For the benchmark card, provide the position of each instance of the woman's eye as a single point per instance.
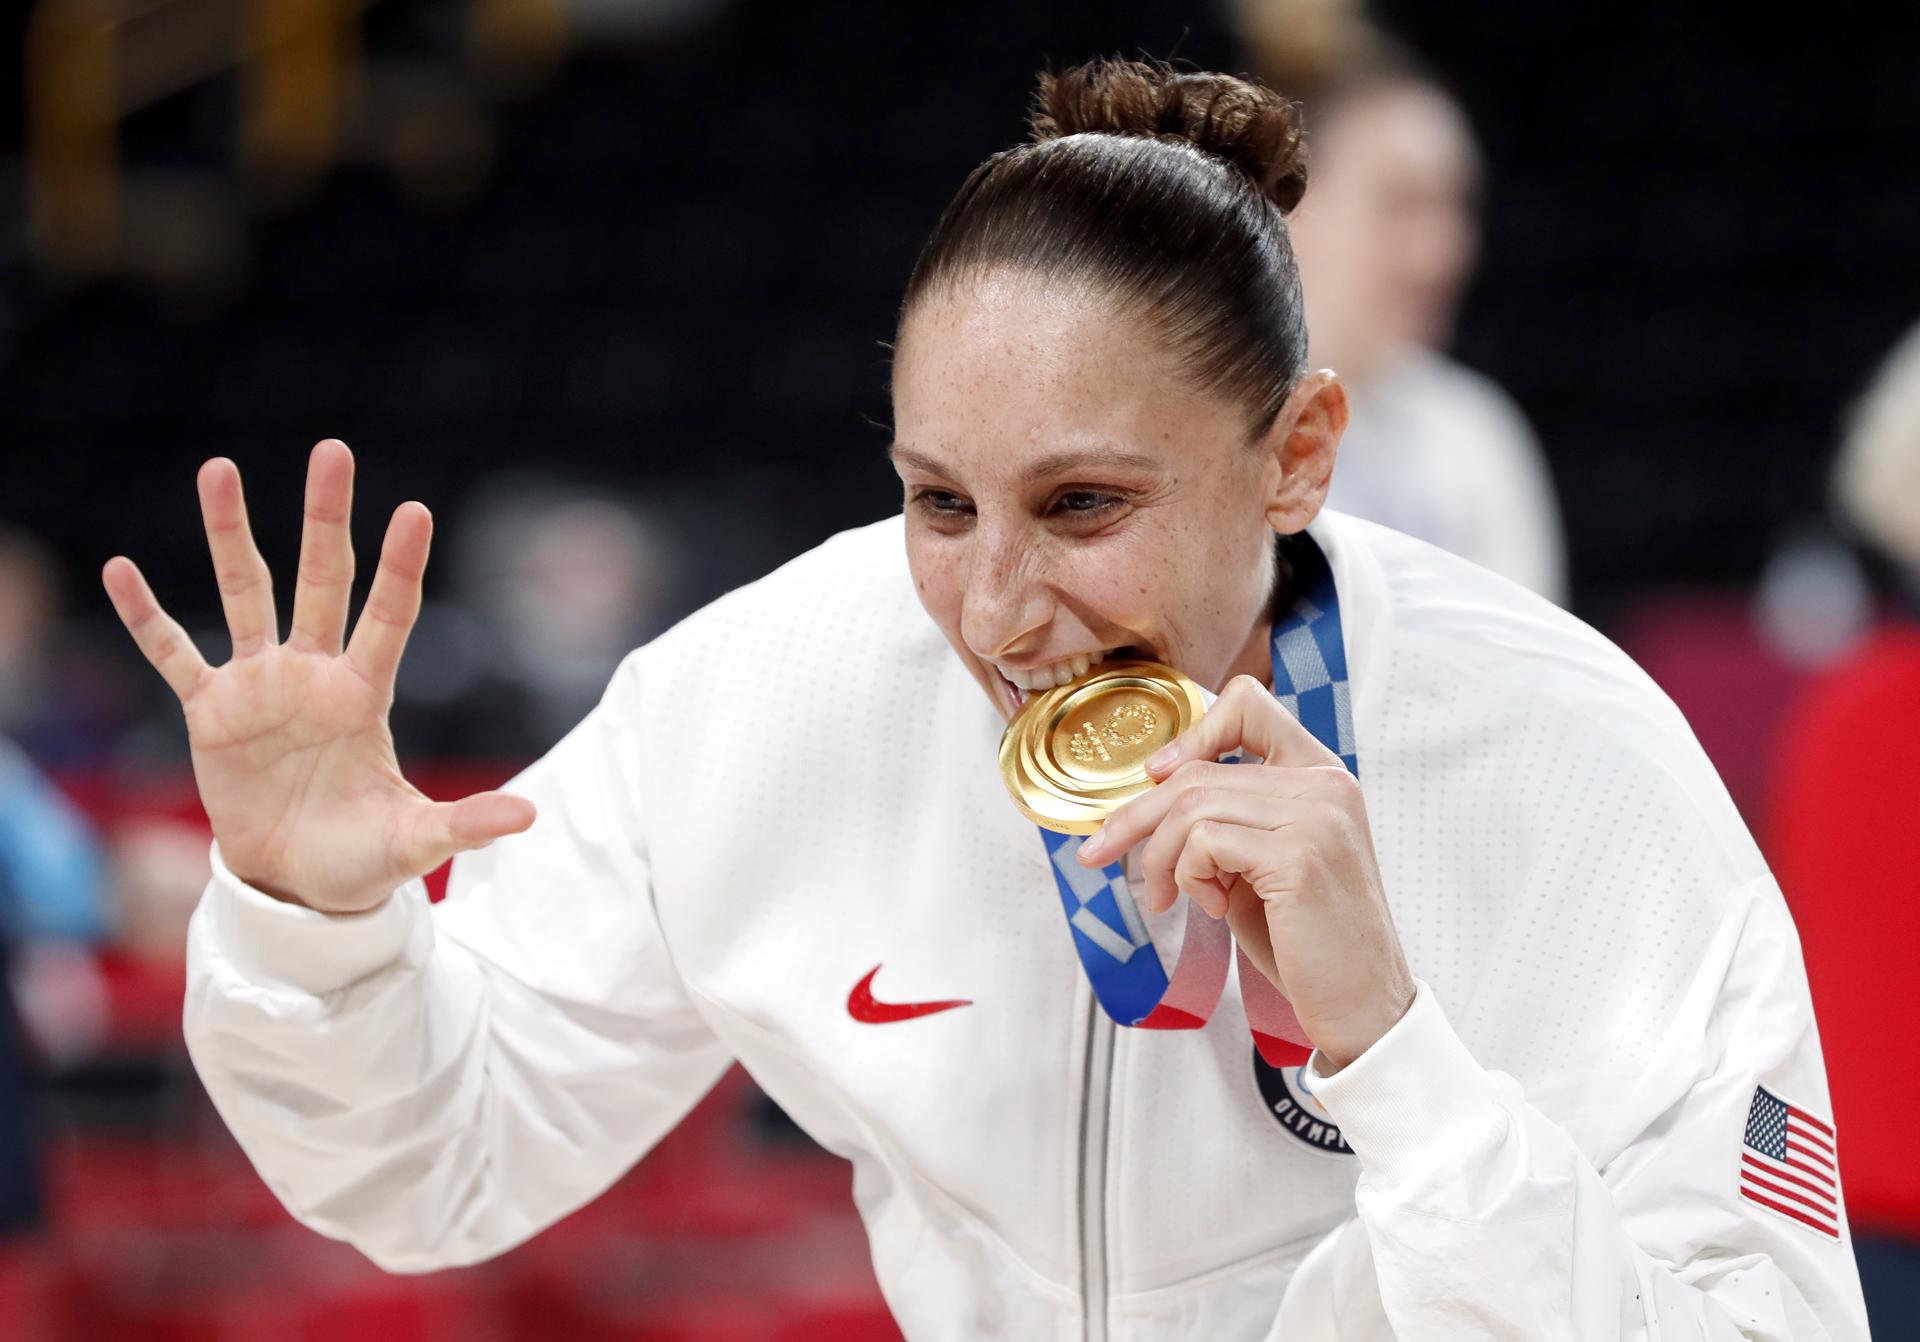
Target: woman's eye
(1086, 502)
(943, 502)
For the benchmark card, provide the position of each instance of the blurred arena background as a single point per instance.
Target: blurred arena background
(606, 283)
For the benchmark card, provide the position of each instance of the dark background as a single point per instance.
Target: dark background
(681, 267)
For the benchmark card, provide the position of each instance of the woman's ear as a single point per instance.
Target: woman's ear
(1304, 440)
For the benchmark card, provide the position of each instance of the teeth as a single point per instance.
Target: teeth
(1058, 673)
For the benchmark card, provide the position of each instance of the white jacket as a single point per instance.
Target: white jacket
(798, 783)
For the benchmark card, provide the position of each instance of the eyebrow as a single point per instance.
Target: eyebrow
(1054, 463)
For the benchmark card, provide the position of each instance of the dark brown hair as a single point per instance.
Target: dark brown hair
(1164, 189)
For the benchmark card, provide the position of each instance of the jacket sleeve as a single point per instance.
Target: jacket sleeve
(1480, 1217)
(435, 1084)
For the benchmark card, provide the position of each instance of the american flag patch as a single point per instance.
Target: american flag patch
(1787, 1163)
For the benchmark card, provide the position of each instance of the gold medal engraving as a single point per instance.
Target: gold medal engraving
(1074, 753)
(1127, 725)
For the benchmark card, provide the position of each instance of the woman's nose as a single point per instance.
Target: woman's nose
(1005, 603)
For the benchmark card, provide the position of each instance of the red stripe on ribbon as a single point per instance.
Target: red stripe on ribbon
(1278, 1052)
(1164, 1017)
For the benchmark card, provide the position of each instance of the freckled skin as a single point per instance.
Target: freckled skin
(1159, 535)
(1028, 563)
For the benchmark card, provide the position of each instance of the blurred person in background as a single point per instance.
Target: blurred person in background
(52, 874)
(1387, 241)
(158, 867)
(551, 582)
(566, 581)
(29, 622)
(1845, 842)
(60, 702)
(51, 884)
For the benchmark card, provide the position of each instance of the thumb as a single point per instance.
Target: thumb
(476, 821)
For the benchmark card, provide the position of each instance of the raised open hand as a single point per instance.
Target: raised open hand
(290, 743)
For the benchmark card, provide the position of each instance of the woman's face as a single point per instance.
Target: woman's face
(1387, 234)
(1069, 494)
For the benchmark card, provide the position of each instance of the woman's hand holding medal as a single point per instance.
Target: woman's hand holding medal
(1282, 850)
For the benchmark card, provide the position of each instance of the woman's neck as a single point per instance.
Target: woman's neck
(1255, 657)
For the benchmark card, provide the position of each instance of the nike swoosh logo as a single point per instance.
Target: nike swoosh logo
(865, 1008)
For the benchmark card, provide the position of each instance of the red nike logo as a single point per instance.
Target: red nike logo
(863, 1007)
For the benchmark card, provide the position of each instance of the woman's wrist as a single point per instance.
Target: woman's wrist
(1356, 1034)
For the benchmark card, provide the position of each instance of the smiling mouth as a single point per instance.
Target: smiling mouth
(1016, 695)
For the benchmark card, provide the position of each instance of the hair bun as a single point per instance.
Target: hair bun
(1243, 122)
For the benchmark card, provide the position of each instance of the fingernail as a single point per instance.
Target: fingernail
(1089, 850)
(1164, 756)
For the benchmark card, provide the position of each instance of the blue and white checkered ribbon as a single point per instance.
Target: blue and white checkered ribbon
(1310, 680)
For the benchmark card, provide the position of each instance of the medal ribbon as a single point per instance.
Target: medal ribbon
(1124, 969)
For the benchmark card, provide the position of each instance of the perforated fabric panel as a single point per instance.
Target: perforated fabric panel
(823, 798)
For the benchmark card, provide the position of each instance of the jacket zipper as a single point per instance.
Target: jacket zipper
(1095, 1102)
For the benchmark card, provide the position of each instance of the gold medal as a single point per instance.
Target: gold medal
(1074, 753)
